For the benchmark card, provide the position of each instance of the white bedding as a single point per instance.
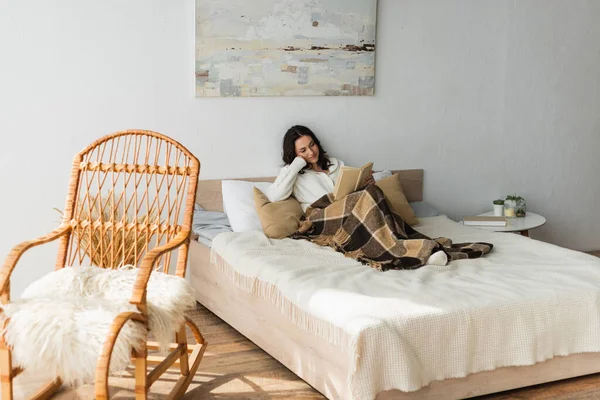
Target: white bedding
(525, 302)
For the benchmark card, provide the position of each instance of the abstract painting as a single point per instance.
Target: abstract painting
(285, 48)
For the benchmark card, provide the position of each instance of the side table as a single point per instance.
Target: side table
(521, 225)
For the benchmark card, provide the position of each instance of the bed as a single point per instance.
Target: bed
(552, 333)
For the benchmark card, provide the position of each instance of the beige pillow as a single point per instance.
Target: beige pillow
(394, 195)
(280, 219)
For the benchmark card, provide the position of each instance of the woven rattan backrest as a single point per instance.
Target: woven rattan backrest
(130, 192)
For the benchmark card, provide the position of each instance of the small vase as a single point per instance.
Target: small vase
(498, 210)
(510, 207)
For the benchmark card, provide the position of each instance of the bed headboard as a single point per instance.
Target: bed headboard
(210, 198)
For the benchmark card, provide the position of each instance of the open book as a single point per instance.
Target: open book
(351, 179)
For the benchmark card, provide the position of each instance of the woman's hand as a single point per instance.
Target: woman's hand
(298, 158)
(370, 180)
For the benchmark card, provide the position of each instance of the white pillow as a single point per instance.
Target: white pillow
(238, 204)
(381, 174)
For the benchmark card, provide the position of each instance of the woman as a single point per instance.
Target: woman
(309, 173)
(361, 225)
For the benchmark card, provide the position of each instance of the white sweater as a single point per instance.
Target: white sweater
(307, 187)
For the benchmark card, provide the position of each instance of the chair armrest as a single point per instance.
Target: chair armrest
(15, 254)
(147, 264)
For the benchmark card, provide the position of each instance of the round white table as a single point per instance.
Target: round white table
(521, 225)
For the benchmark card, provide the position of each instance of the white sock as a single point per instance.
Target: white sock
(438, 258)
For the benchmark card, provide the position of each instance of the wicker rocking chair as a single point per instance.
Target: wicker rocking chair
(130, 202)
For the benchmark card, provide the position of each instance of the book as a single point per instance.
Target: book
(350, 179)
(484, 221)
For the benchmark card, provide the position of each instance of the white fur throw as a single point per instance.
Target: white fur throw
(63, 319)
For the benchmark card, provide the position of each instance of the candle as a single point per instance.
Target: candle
(509, 212)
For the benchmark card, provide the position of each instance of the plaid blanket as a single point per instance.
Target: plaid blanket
(363, 227)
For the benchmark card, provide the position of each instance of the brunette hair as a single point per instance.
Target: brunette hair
(289, 146)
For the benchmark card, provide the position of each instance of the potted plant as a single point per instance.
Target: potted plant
(498, 207)
(517, 204)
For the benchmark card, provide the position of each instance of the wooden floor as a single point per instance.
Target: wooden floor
(232, 368)
(235, 368)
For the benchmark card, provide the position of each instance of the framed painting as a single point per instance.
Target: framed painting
(285, 48)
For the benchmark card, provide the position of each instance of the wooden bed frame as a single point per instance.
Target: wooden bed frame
(320, 363)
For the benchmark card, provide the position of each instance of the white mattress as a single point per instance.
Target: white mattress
(525, 302)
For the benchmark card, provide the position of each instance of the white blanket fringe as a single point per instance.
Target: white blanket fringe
(291, 311)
